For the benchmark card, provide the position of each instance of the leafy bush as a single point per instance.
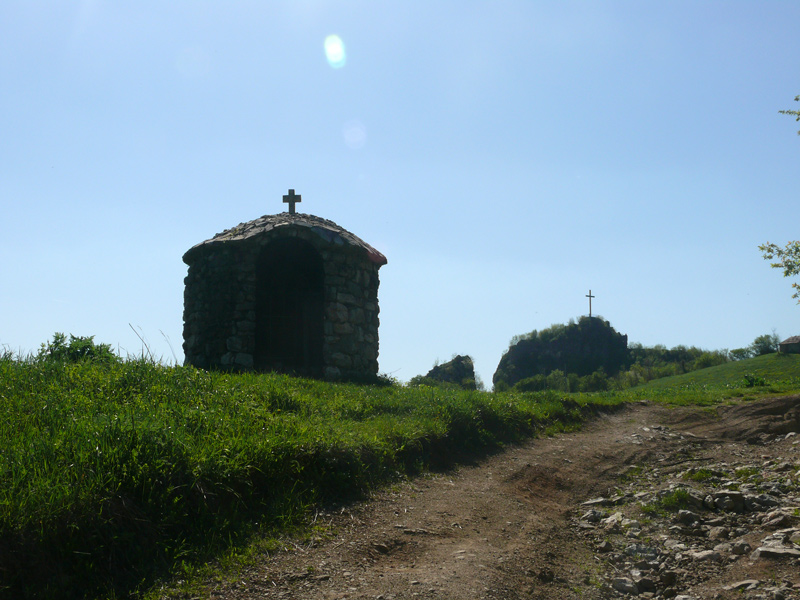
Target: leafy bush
(596, 382)
(674, 500)
(701, 474)
(76, 350)
(537, 383)
(751, 380)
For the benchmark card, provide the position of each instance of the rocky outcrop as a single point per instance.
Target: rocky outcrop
(581, 348)
(459, 371)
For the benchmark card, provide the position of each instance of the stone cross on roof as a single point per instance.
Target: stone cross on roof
(291, 199)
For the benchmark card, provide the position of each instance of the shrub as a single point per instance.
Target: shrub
(741, 354)
(78, 349)
(751, 380)
(701, 474)
(537, 383)
(596, 382)
(675, 500)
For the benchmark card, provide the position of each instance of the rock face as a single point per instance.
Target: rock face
(287, 292)
(581, 348)
(459, 371)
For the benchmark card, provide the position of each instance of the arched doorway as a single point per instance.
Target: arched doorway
(289, 308)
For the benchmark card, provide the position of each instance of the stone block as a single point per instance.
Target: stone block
(337, 313)
(342, 360)
(706, 556)
(342, 328)
(775, 552)
(245, 326)
(332, 372)
(345, 298)
(729, 501)
(244, 360)
(625, 585)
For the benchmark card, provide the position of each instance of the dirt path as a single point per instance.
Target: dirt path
(510, 527)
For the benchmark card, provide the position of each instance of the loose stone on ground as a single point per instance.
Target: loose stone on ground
(686, 532)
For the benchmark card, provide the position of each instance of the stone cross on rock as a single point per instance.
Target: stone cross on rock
(589, 296)
(291, 199)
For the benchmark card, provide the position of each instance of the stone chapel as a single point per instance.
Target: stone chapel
(289, 292)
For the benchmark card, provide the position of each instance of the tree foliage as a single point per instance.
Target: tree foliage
(741, 353)
(765, 344)
(786, 258)
(653, 362)
(794, 113)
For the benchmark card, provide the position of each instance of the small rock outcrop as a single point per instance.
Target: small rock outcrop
(460, 371)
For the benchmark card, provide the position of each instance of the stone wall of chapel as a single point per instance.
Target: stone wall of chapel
(220, 306)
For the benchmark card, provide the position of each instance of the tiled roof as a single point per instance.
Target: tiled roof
(328, 230)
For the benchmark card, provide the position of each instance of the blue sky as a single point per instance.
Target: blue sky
(505, 156)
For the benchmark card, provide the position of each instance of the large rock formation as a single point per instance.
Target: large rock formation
(581, 348)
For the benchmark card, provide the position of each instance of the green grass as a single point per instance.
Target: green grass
(781, 371)
(722, 383)
(115, 476)
(670, 502)
(701, 474)
(747, 472)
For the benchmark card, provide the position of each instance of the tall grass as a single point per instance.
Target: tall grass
(112, 474)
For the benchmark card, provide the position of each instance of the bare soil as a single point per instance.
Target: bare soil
(515, 526)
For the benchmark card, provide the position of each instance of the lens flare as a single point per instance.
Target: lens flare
(355, 134)
(334, 51)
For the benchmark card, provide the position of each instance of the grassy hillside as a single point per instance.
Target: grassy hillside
(776, 369)
(115, 474)
(112, 475)
(769, 374)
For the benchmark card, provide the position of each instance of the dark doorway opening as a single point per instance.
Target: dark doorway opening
(289, 310)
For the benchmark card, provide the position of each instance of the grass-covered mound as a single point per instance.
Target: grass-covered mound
(770, 374)
(114, 472)
(775, 369)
